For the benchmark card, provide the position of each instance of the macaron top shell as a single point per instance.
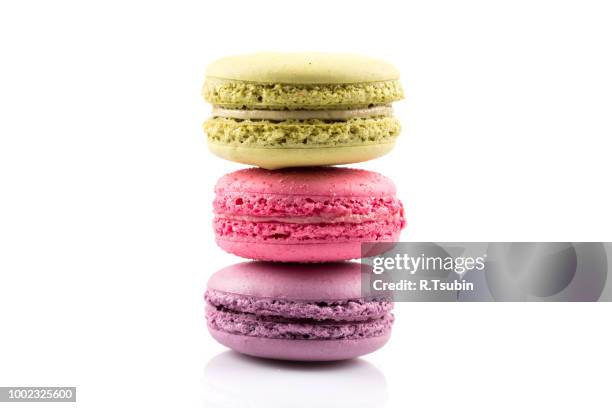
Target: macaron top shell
(302, 68)
(333, 281)
(315, 181)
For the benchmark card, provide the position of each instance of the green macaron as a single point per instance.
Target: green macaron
(277, 110)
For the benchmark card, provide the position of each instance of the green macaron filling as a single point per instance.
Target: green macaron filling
(251, 95)
(310, 133)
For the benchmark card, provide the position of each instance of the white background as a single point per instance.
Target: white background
(106, 188)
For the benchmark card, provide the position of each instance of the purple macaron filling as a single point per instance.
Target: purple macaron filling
(349, 309)
(299, 320)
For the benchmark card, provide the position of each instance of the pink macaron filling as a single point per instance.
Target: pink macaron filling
(294, 233)
(320, 208)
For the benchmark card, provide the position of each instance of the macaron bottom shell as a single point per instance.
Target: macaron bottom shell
(307, 253)
(272, 158)
(300, 350)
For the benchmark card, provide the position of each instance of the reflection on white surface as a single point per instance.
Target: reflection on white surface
(234, 380)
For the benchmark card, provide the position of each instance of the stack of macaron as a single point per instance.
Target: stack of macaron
(295, 116)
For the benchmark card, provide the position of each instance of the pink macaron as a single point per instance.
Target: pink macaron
(318, 214)
(301, 312)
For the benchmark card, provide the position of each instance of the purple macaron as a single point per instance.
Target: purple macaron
(296, 312)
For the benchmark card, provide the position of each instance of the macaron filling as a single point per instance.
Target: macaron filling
(318, 208)
(348, 219)
(250, 217)
(343, 309)
(280, 115)
(291, 233)
(358, 319)
(248, 325)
